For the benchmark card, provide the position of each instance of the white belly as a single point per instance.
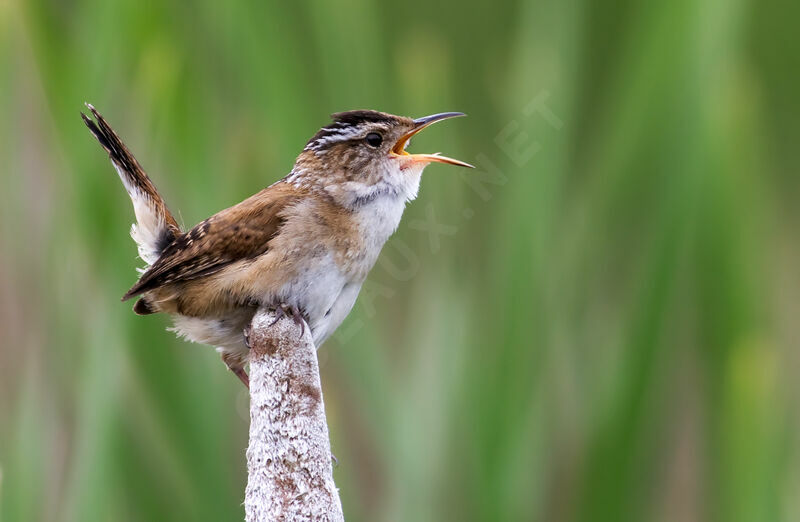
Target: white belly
(331, 320)
(324, 293)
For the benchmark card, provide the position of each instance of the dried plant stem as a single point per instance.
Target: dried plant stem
(290, 474)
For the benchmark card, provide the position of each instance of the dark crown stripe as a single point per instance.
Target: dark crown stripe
(361, 116)
(343, 123)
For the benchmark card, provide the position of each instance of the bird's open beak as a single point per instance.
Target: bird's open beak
(419, 124)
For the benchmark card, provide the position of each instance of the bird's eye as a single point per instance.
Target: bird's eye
(374, 139)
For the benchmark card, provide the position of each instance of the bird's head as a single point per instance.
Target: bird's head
(362, 155)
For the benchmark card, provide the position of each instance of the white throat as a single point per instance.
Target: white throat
(379, 206)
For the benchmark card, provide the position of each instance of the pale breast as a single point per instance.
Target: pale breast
(317, 263)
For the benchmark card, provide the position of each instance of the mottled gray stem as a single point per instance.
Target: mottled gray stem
(290, 475)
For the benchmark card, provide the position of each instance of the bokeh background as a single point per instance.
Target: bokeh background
(600, 323)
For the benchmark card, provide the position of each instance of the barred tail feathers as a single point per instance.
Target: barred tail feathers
(155, 226)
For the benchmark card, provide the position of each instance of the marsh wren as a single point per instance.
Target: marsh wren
(303, 245)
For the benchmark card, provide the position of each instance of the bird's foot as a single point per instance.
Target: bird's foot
(247, 330)
(285, 310)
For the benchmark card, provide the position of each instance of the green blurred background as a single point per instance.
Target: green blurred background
(599, 324)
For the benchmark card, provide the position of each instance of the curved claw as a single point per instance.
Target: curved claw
(285, 310)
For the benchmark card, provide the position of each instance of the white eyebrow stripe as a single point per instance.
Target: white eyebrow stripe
(335, 135)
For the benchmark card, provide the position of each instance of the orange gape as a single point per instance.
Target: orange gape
(303, 245)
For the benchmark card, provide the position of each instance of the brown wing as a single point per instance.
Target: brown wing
(239, 232)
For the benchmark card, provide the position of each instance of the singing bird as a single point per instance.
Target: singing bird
(302, 246)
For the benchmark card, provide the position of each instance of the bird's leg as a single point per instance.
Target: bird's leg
(237, 368)
(242, 375)
(297, 317)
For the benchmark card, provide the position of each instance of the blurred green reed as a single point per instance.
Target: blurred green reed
(598, 325)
